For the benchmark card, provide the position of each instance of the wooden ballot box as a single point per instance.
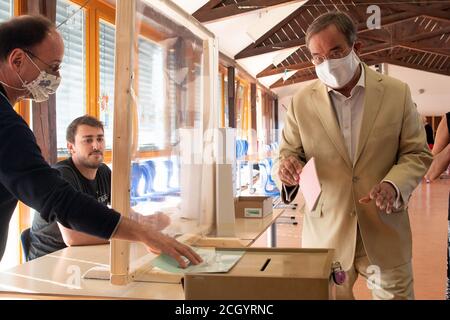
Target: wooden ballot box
(268, 274)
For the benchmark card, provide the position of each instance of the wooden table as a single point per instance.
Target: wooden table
(59, 275)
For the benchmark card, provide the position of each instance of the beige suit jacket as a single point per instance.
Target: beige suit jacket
(392, 146)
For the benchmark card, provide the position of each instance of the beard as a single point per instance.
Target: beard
(92, 163)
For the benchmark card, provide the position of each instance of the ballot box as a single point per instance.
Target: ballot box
(268, 274)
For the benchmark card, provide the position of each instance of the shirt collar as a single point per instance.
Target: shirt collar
(361, 82)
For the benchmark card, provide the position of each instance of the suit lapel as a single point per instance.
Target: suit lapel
(327, 116)
(372, 102)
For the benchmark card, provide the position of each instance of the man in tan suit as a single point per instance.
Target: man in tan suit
(370, 151)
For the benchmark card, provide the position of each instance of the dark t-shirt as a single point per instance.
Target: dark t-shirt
(26, 176)
(45, 236)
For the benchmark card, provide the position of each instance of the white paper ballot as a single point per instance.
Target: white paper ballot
(214, 261)
(310, 184)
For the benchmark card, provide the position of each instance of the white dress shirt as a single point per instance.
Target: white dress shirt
(349, 113)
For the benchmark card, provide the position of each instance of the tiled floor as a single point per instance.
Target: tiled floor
(428, 215)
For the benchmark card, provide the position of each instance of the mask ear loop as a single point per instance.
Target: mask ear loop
(15, 88)
(24, 83)
(21, 80)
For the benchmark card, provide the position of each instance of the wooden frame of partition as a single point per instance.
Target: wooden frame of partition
(122, 134)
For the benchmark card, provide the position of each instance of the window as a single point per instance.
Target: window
(107, 54)
(151, 96)
(172, 97)
(71, 96)
(6, 8)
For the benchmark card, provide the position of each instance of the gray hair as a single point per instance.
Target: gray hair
(342, 22)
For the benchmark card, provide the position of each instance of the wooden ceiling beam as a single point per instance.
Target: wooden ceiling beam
(211, 4)
(281, 83)
(376, 36)
(298, 66)
(445, 72)
(438, 12)
(210, 13)
(254, 50)
(421, 48)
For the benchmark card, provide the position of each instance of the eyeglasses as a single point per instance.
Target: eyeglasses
(336, 54)
(54, 68)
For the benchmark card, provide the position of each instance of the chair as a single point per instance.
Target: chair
(136, 175)
(25, 239)
(138, 172)
(245, 143)
(268, 185)
(239, 149)
(175, 191)
(149, 172)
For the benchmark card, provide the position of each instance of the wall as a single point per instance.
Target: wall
(435, 100)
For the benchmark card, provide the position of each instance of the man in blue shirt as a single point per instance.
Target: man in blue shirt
(30, 56)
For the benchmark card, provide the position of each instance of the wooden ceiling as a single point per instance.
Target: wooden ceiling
(413, 34)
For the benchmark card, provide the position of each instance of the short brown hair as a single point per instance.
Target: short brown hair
(342, 21)
(23, 32)
(84, 120)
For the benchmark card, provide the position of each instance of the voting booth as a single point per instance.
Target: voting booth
(173, 172)
(198, 192)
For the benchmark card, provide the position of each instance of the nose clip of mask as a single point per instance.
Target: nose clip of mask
(337, 274)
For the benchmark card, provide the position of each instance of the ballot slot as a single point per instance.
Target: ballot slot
(265, 265)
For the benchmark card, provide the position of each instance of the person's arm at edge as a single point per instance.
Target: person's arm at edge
(440, 163)
(442, 138)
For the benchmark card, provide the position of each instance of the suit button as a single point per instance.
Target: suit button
(354, 179)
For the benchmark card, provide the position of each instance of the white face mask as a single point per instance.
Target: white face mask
(41, 87)
(336, 73)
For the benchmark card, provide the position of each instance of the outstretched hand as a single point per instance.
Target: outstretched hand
(384, 195)
(158, 242)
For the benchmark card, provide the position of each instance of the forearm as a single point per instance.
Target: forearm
(129, 230)
(446, 154)
(440, 164)
(442, 137)
(76, 238)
